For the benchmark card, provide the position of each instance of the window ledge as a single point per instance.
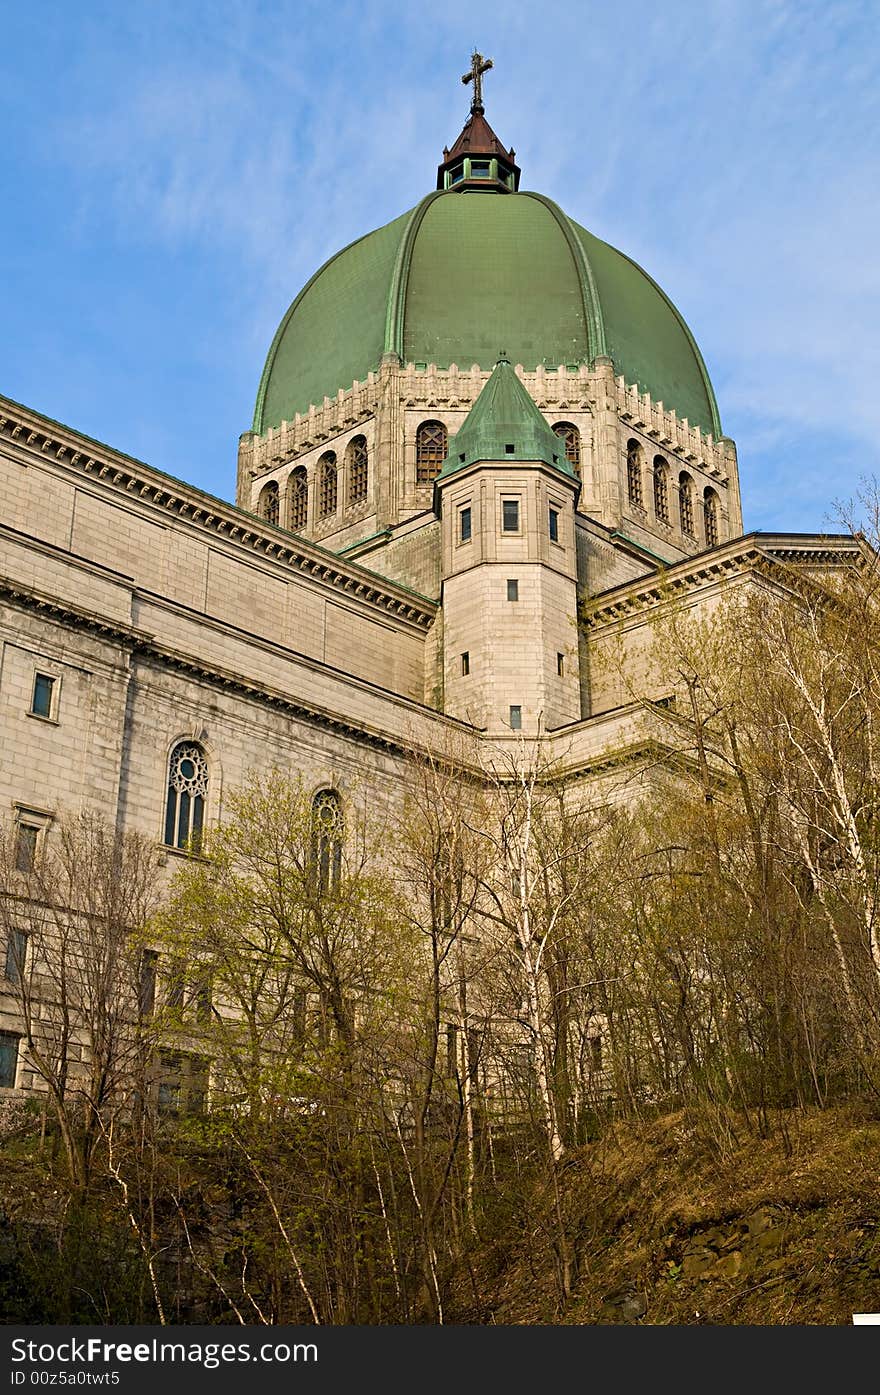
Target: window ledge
(38, 717)
(181, 852)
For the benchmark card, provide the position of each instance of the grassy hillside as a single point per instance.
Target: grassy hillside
(677, 1223)
(672, 1221)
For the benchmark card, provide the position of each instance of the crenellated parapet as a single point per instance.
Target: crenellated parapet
(672, 432)
(308, 429)
(576, 387)
(603, 408)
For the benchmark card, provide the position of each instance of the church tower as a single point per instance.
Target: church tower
(506, 497)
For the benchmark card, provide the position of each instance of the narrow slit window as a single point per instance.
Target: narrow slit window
(554, 525)
(516, 718)
(686, 504)
(149, 967)
(175, 988)
(8, 1060)
(661, 490)
(41, 701)
(202, 998)
(358, 470)
(465, 663)
(327, 484)
(26, 836)
(510, 515)
(512, 589)
(560, 665)
(16, 953)
(298, 499)
(634, 474)
(710, 517)
(464, 525)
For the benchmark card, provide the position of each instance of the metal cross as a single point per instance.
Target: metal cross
(479, 66)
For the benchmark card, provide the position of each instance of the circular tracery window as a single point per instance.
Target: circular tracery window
(326, 811)
(189, 770)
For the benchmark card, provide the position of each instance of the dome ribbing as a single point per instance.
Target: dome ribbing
(459, 274)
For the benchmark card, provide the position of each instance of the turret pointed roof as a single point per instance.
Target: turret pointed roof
(477, 138)
(478, 161)
(504, 424)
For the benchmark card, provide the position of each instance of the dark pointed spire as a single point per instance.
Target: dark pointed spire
(478, 161)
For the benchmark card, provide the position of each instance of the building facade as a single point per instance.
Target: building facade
(470, 423)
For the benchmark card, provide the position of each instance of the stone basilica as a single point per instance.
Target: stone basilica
(470, 422)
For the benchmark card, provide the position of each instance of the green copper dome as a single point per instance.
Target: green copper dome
(462, 273)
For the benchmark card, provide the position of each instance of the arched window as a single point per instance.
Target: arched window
(686, 503)
(327, 484)
(357, 470)
(187, 792)
(298, 499)
(572, 438)
(634, 474)
(710, 517)
(661, 490)
(327, 833)
(268, 503)
(432, 444)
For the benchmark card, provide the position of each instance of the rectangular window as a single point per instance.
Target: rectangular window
(512, 589)
(464, 525)
(516, 719)
(451, 1051)
(203, 999)
(480, 169)
(510, 515)
(41, 702)
(8, 1060)
(169, 1097)
(26, 847)
(560, 665)
(554, 525)
(147, 982)
(176, 984)
(16, 952)
(197, 1085)
(465, 663)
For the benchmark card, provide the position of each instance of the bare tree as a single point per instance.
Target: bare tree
(76, 919)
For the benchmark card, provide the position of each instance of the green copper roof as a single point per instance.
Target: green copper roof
(462, 273)
(505, 424)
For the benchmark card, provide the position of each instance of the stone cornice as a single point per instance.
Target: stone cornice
(54, 609)
(144, 644)
(771, 553)
(137, 481)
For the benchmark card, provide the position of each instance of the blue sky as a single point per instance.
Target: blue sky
(174, 172)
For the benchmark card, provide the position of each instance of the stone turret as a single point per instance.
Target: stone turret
(506, 498)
